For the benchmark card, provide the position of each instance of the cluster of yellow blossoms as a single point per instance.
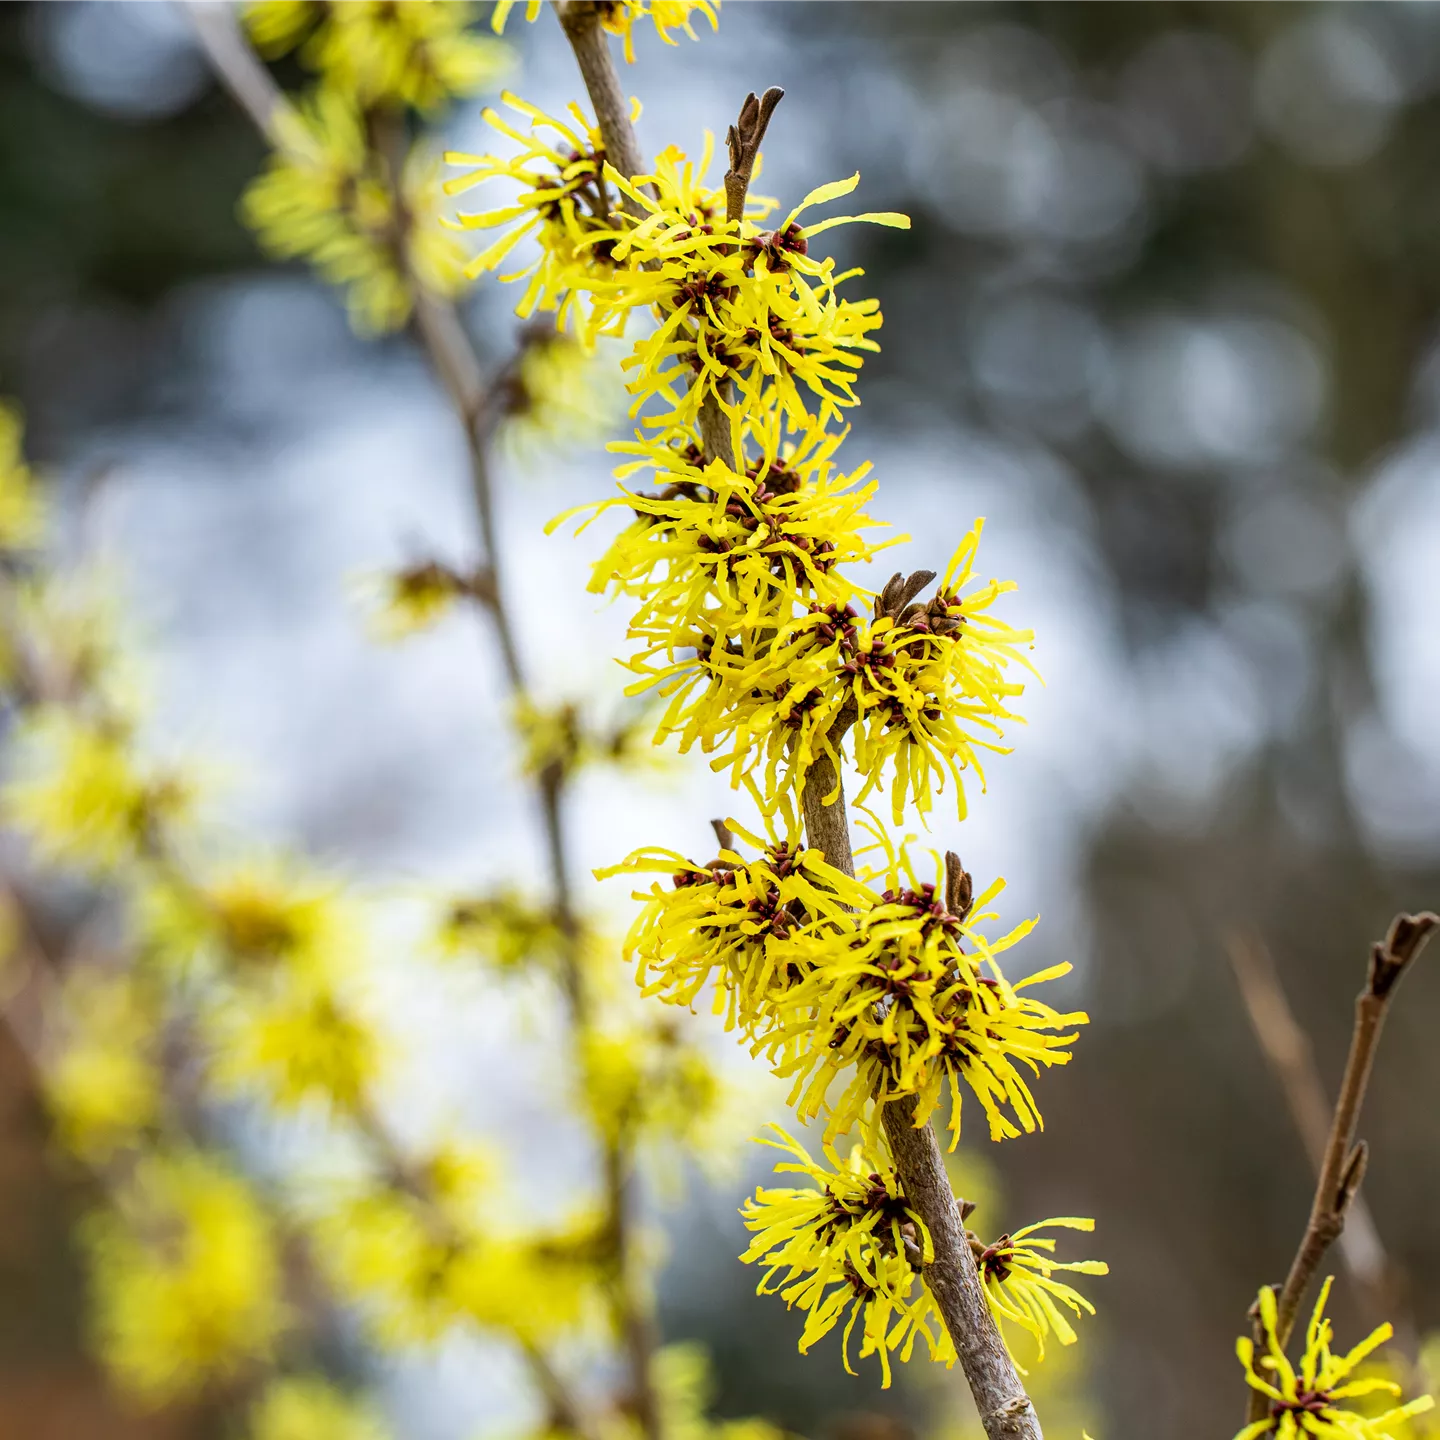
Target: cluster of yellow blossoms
(766, 653)
(247, 981)
(344, 188)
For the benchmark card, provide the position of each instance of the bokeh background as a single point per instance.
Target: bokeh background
(1166, 317)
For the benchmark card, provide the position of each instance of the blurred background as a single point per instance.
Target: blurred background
(1166, 317)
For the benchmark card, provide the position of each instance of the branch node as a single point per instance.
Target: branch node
(1351, 1176)
(723, 834)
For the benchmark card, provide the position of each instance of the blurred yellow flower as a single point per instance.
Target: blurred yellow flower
(81, 795)
(421, 53)
(104, 1089)
(259, 914)
(293, 1039)
(22, 514)
(186, 1278)
(326, 197)
(311, 1408)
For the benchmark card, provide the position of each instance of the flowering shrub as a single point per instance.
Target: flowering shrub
(876, 982)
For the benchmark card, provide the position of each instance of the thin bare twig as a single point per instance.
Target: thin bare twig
(237, 66)
(1343, 1165)
(743, 140)
(1287, 1048)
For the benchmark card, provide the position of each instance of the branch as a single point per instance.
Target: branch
(1287, 1048)
(581, 22)
(953, 1277)
(453, 357)
(1343, 1163)
(238, 67)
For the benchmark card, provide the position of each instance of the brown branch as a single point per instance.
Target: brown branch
(1287, 1048)
(953, 1277)
(581, 22)
(1343, 1165)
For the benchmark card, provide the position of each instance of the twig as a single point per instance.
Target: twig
(581, 22)
(237, 66)
(1287, 1048)
(743, 142)
(1343, 1166)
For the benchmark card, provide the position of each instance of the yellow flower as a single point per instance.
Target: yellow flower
(1312, 1400)
(82, 797)
(619, 17)
(850, 1248)
(261, 914)
(22, 513)
(186, 1278)
(417, 1272)
(310, 1408)
(730, 303)
(104, 1089)
(420, 53)
(407, 601)
(914, 1004)
(1018, 1274)
(644, 1082)
(325, 197)
(735, 922)
(916, 693)
(502, 927)
(563, 201)
(559, 394)
(737, 554)
(292, 1038)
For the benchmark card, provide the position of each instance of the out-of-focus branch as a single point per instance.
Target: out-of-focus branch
(1343, 1164)
(458, 369)
(237, 66)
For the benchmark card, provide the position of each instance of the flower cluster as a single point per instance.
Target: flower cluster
(421, 54)
(742, 528)
(1317, 1397)
(850, 1247)
(328, 195)
(874, 994)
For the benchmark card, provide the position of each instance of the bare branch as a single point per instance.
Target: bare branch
(238, 67)
(1288, 1050)
(1343, 1163)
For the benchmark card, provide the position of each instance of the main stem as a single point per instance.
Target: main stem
(1005, 1409)
(954, 1280)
